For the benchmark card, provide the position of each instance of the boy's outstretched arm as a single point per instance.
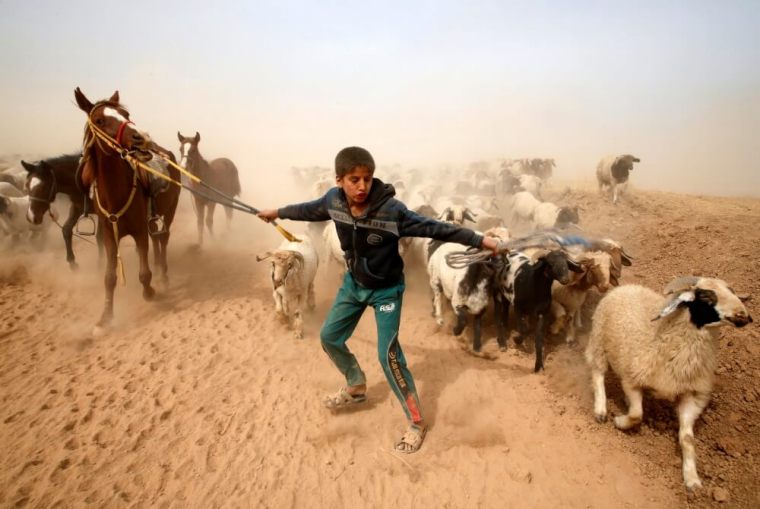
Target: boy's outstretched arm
(415, 225)
(315, 210)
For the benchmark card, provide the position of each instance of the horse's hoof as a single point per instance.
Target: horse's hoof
(74, 266)
(148, 293)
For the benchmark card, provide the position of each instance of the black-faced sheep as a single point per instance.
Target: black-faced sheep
(548, 215)
(667, 344)
(612, 172)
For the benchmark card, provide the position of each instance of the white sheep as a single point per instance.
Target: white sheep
(531, 184)
(612, 172)
(321, 186)
(567, 300)
(548, 215)
(417, 198)
(14, 222)
(667, 344)
(294, 266)
(8, 189)
(333, 251)
(481, 202)
(523, 207)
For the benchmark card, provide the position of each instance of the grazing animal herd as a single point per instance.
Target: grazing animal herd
(664, 343)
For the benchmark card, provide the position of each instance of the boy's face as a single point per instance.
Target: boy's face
(356, 184)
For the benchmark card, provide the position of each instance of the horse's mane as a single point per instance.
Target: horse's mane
(62, 159)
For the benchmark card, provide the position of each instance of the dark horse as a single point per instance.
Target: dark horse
(44, 181)
(220, 173)
(121, 191)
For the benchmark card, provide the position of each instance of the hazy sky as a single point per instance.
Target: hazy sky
(279, 84)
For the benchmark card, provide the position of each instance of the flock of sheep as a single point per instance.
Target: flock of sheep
(666, 343)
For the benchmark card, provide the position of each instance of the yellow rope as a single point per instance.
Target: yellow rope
(134, 161)
(114, 220)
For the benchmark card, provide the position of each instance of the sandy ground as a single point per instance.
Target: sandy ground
(203, 399)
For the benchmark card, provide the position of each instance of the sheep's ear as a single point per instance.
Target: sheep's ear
(636, 159)
(179, 137)
(260, 258)
(673, 304)
(28, 166)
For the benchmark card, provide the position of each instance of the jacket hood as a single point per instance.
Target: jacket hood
(379, 194)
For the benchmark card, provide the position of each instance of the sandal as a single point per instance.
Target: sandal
(342, 399)
(412, 439)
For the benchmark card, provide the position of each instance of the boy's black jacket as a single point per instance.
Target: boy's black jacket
(370, 242)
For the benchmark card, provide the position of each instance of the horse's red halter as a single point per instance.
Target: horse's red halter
(120, 131)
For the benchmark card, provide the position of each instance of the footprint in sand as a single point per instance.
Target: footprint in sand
(212, 458)
(57, 474)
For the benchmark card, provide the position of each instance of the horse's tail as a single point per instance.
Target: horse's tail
(232, 178)
(235, 181)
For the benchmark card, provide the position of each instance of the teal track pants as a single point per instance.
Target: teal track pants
(349, 305)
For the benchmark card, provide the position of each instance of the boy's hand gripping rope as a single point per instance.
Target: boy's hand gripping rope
(549, 238)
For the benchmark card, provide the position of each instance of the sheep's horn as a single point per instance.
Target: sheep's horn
(263, 257)
(626, 258)
(680, 284)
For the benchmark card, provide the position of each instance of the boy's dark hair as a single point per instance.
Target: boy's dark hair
(351, 157)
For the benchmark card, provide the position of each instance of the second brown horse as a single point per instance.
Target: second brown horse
(220, 174)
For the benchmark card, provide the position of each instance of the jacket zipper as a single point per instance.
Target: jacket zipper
(353, 243)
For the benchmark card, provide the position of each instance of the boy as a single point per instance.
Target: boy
(370, 222)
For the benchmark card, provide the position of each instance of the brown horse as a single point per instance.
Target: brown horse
(121, 191)
(220, 173)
